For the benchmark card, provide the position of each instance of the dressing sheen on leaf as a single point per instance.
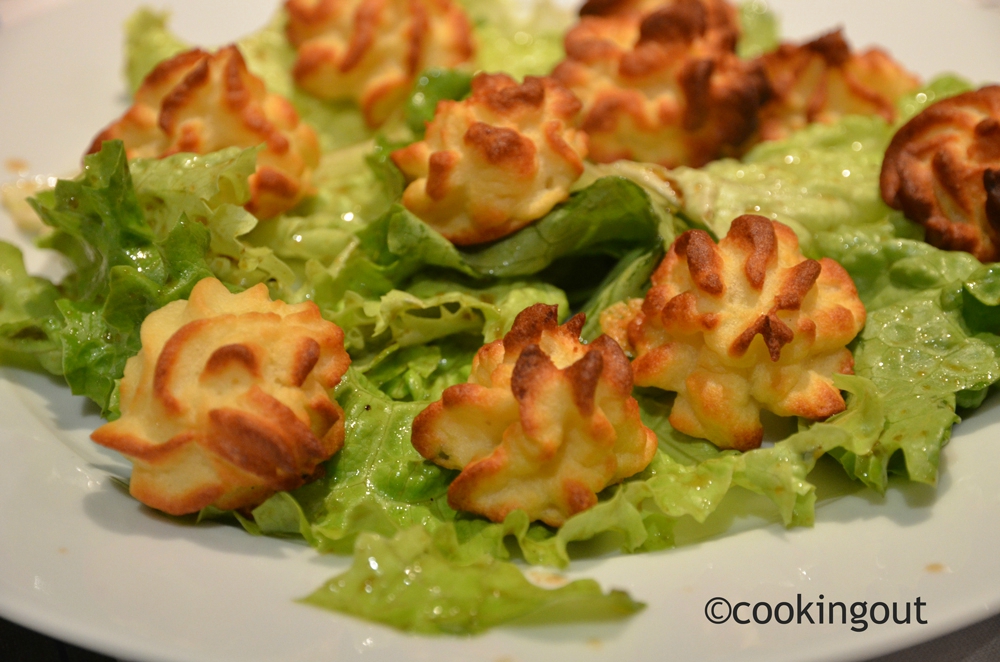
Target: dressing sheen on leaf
(609, 217)
(916, 347)
(412, 582)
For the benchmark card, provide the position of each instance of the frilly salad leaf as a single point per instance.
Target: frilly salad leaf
(520, 43)
(29, 317)
(376, 483)
(609, 217)
(918, 346)
(435, 309)
(629, 279)
(412, 582)
(121, 271)
(211, 189)
(981, 299)
(414, 344)
(818, 179)
(137, 236)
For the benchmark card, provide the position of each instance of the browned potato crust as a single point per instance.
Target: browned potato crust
(227, 402)
(493, 163)
(543, 424)
(741, 326)
(370, 51)
(663, 86)
(201, 102)
(942, 169)
(823, 80)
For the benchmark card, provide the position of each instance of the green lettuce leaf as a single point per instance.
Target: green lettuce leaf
(123, 267)
(376, 483)
(517, 42)
(609, 217)
(629, 279)
(981, 299)
(147, 43)
(415, 344)
(102, 330)
(818, 179)
(431, 87)
(917, 346)
(211, 189)
(760, 28)
(423, 372)
(413, 583)
(29, 316)
(381, 256)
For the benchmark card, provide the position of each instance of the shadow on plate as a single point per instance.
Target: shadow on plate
(68, 417)
(114, 510)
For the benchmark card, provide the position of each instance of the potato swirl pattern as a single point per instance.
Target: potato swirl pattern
(202, 102)
(497, 161)
(745, 325)
(543, 424)
(942, 169)
(227, 402)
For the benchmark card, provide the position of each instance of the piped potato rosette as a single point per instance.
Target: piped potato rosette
(495, 162)
(714, 22)
(543, 424)
(664, 85)
(202, 102)
(740, 326)
(942, 169)
(823, 80)
(370, 51)
(228, 400)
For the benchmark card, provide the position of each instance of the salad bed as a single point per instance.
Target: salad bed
(415, 309)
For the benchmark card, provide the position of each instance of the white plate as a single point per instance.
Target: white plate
(82, 561)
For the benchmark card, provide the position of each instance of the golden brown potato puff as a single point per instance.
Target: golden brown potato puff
(823, 80)
(740, 326)
(543, 424)
(663, 87)
(228, 400)
(370, 51)
(498, 160)
(202, 102)
(942, 169)
(717, 21)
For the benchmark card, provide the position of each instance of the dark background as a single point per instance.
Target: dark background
(18, 644)
(976, 643)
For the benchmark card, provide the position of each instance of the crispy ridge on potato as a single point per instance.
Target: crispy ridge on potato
(942, 169)
(370, 51)
(740, 326)
(228, 400)
(823, 80)
(202, 102)
(498, 160)
(543, 424)
(663, 85)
